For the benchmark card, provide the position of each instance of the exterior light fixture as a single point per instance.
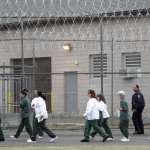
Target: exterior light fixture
(67, 47)
(76, 62)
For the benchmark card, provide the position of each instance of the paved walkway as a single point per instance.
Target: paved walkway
(72, 138)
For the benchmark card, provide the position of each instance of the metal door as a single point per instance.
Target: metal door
(71, 97)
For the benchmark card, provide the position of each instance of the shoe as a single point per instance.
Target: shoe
(105, 138)
(85, 140)
(91, 138)
(135, 133)
(13, 137)
(110, 139)
(30, 141)
(140, 133)
(123, 137)
(125, 140)
(2, 140)
(40, 137)
(53, 139)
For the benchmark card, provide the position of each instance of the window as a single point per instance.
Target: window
(131, 60)
(95, 61)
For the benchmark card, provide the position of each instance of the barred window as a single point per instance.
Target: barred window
(95, 61)
(132, 60)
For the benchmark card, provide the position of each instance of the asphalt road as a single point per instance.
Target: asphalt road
(72, 138)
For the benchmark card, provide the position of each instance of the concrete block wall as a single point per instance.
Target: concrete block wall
(124, 32)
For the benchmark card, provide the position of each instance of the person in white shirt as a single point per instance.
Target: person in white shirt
(41, 115)
(32, 119)
(104, 118)
(92, 117)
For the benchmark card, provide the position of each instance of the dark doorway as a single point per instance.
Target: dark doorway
(42, 76)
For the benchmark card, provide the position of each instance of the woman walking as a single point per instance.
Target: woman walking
(39, 130)
(41, 115)
(104, 118)
(124, 117)
(92, 118)
(2, 139)
(25, 116)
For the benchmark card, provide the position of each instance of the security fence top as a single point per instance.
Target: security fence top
(69, 8)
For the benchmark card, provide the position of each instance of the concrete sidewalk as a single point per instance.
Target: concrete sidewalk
(72, 138)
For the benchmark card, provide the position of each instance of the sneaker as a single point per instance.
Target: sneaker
(123, 137)
(85, 140)
(125, 140)
(105, 138)
(30, 141)
(40, 137)
(91, 138)
(13, 137)
(110, 139)
(53, 139)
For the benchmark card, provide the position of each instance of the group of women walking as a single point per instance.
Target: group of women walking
(96, 116)
(38, 106)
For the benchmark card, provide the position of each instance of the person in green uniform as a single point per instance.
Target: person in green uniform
(104, 116)
(25, 116)
(1, 133)
(124, 117)
(92, 118)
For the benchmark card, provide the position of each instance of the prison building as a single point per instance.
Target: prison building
(62, 45)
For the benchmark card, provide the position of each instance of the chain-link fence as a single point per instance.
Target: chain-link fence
(65, 47)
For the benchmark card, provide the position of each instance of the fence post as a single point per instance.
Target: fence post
(33, 65)
(112, 81)
(22, 52)
(101, 53)
(3, 96)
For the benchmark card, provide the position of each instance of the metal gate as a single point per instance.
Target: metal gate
(10, 88)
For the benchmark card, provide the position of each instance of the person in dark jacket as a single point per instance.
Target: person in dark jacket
(138, 104)
(25, 116)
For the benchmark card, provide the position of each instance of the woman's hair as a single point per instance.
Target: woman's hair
(137, 86)
(92, 93)
(23, 93)
(101, 98)
(40, 94)
(26, 90)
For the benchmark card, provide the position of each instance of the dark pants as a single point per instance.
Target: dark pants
(124, 125)
(93, 124)
(25, 122)
(1, 133)
(106, 128)
(43, 127)
(137, 121)
(39, 130)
